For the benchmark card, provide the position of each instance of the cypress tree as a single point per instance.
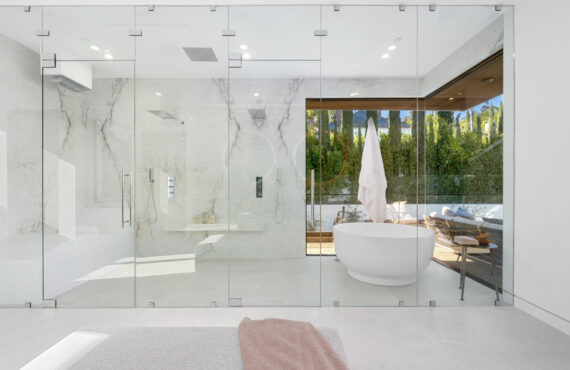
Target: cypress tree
(447, 116)
(479, 129)
(325, 129)
(457, 127)
(394, 129)
(500, 128)
(395, 138)
(347, 128)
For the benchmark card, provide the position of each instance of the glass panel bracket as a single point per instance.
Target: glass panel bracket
(234, 60)
(42, 33)
(48, 60)
(135, 33)
(321, 32)
(49, 303)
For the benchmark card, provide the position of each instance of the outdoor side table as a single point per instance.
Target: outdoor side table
(464, 249)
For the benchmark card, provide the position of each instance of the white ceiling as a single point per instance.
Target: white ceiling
(357, 37)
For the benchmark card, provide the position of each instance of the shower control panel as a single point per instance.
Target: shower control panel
(259, 187)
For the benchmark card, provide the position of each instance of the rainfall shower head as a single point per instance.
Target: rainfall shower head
(163, 114)
(257, 114)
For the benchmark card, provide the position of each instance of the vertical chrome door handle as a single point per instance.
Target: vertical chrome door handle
(313, 198)
(122, 199)
(130, 220)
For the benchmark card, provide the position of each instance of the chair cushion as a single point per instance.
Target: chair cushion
(446, 211)
(461, 212)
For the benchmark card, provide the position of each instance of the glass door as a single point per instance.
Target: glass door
(272, 73)
(181, 155)
(369, 74)
(88, 130)
(88, 127)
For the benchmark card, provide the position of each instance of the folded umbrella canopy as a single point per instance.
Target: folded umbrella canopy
(372, 181)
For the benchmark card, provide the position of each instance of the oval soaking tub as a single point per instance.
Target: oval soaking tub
(383, 253)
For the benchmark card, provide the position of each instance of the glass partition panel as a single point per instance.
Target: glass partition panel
(460, 65)
(182, 157)
(269, 264)
(88, 187)
(369, 75)
(88, 32)
(275, 32)
(20, 158)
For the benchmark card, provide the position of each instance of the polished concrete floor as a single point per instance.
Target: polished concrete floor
(374, 338)
(306, 281)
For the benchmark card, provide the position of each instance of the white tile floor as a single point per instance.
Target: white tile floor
(374, 338)
(309, 281)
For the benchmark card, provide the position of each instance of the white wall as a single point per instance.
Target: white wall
(542, 173)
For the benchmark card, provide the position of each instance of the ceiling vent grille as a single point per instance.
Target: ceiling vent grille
(201, 54)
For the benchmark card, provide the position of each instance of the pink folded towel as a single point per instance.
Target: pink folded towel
(284, 344)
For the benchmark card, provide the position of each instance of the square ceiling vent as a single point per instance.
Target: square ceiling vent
(201, 54)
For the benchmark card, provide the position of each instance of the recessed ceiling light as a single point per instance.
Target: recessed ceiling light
(451, 98)
(354, 94)
(108, 56)
(246, 56)
(392, 47)
(158, 93)
(95, 47)
(243, 47)
(488, 80)
(256, 94)
(459, 93)
(385, 56)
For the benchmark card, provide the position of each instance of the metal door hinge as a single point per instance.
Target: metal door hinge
(234, 60)
(336, 8)
(402, 7)
(27, 304)
(135, 33)
(432, 8)
(49, 303)
(235, 302)
(27, 8)
(498, 8)
(432, 303)
(49, 60)
(401, 303)
(42, 33)
(228, 33)
(321, 32)
(213, 304)
(212, 8)
(150, 8)
(151, 304)
(336, 303)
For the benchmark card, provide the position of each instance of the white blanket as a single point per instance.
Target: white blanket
(372, 181)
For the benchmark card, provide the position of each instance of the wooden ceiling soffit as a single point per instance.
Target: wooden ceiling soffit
(473, 87)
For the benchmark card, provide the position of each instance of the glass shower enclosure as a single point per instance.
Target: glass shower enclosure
(202, 156)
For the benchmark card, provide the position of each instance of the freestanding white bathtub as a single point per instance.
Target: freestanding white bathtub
(383, 253)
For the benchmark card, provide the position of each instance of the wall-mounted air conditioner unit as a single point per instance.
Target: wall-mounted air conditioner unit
(75, 76)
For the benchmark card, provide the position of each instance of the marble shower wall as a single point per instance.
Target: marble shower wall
(215, 151)
(88, 141)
